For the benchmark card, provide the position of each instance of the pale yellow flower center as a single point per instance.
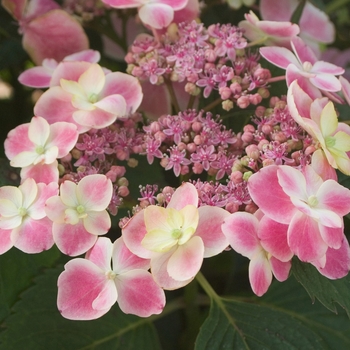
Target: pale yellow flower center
(330, 141)
(93, 98)
(39, 149)
(307, 66)
(22, 211)
(312, 201)
(81, 211)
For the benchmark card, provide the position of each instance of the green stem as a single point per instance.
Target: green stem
(335, 5)
(173, 98)
(212, 104)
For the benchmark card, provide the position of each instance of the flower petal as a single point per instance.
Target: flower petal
(260, 275)
(5, 240)
(184, 195)
(156, 15)
(280, 269)
(279, 56)
(101, 253)
(97, 223)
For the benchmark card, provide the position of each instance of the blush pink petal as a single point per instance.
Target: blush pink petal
(186, 194)
(39, 130)
(42, 39)
(138, 294)
(24, 159)
(280, 269)
(33, 236)
(133, 233)
(209, 229)
(92, 80)
(303, 51)
(72, 240)
(260, 275)
(345, 84)
(15, 7)
(326, 67)
(64, 136)
(69, 70)
(320, 164)
(81, 285)
(277, 10)
(279, 56)
(156, 15)
(304, 238)
(17, 141)
(175, 4)
(273, 238)
(114, 104)
(95, 119)
(68, 193)
(186, 260)
(332, 236)
(36, 77)
(271, 198)
(101, 253)
(11, 223)
(125, 3)
(124, 260)
(94, 192)
(29, 190)
(5, 240)
(39, 7)
(41, 172)
(278, 29)
(89, 55)
(97, 223)
(241, 229)
(292, 182)
(327, 82)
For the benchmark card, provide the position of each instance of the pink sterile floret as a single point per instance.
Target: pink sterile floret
(88, 97)
(313, 208)
(89, 287)
(35, 146)
(176, 238)
(79, 214)
(157, 14)
(264, 242)
(23, 222)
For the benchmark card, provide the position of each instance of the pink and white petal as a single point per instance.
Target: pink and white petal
(260, 275)
(72, 240)
(55, 209)
(320, 164)
(302, 51)
(124, 260)
(79, 285)
(39, 7)
(342, 141)
(241, 230)
(107, 297)
(71, 216)
(345, 84)
(15, 7)
(273, 238)
(326, 67)
(5, 241)
(101, 253)
(186, 260)
(333, 236)
(114, 104)
(69, 71)
(333, 196)
(156, 15)
(94, 192)
(139, 294)
(9, 207)
(42, 40)
(17, 141)
(184, 195)
(33, 236)
(129, 87)
(279, 29)
(157, 218)
(175, 4)
(29, 190)
(269, 196)
(159, 269)
(11, 222)
(304, 238)
(63, 135)
(90, 55)
(209, 229)
(133, 233)
(45, 173)
(277, 10)
(36, 77)
(39, 131)
(92, 80)
(68, 194)
(292, 182)
(337, 262)
(280, 269)
(279, 56)
(313, 180)
(24, 159)
(125, 3)
(327, 82)
(299, 102)
(97, 222)
(94, 119)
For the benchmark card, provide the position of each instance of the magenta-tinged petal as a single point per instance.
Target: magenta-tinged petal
(326, 67)
(277, 10)
(42, 39)
(94, 119)
(345, 84)
(79, 286)
(313, 180)
(260, 275)
(114, 104)
(37, 8)
(304, 238)
(129, 87)
(332, 236)
(101, 253)
(186, 194)
(124, 260)
(267, 193)
(97, 223)
(159, 269)
(175, 4)
(320, 164)
(186, 260)
(17, 141)
(5, 241)
(15, 7)
(91, 56)
(279, 29)
(209, 229)
(45, 173)
(280, 269)
(292, 182)
(327, 82)
(337, 262)
(94, 192)
(37, 77)
(156, 15)
(302, 51)
(124, 3)
(279, 56)
(138, 294)
(133, 233)
(64, 136)
(273, 238)
(72, 240)
(241, 230)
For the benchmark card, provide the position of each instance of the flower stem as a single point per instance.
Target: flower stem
(212, 105)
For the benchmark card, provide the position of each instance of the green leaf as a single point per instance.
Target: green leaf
(16, 274)
(37, 324)
(328, 292)
(284, 318)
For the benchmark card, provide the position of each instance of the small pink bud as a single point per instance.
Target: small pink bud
(255, 99)
(123, 191)
(243, 102)
(225, 92)
(253, 151)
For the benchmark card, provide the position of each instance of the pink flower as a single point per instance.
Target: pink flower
(89, 98)
(36, 145)
(79, 214)
(264, 242)
(23, 222)
(312, 75)
(313, 208)
(155, 13)
(39, 20)
(176, 238)
(89, 287)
